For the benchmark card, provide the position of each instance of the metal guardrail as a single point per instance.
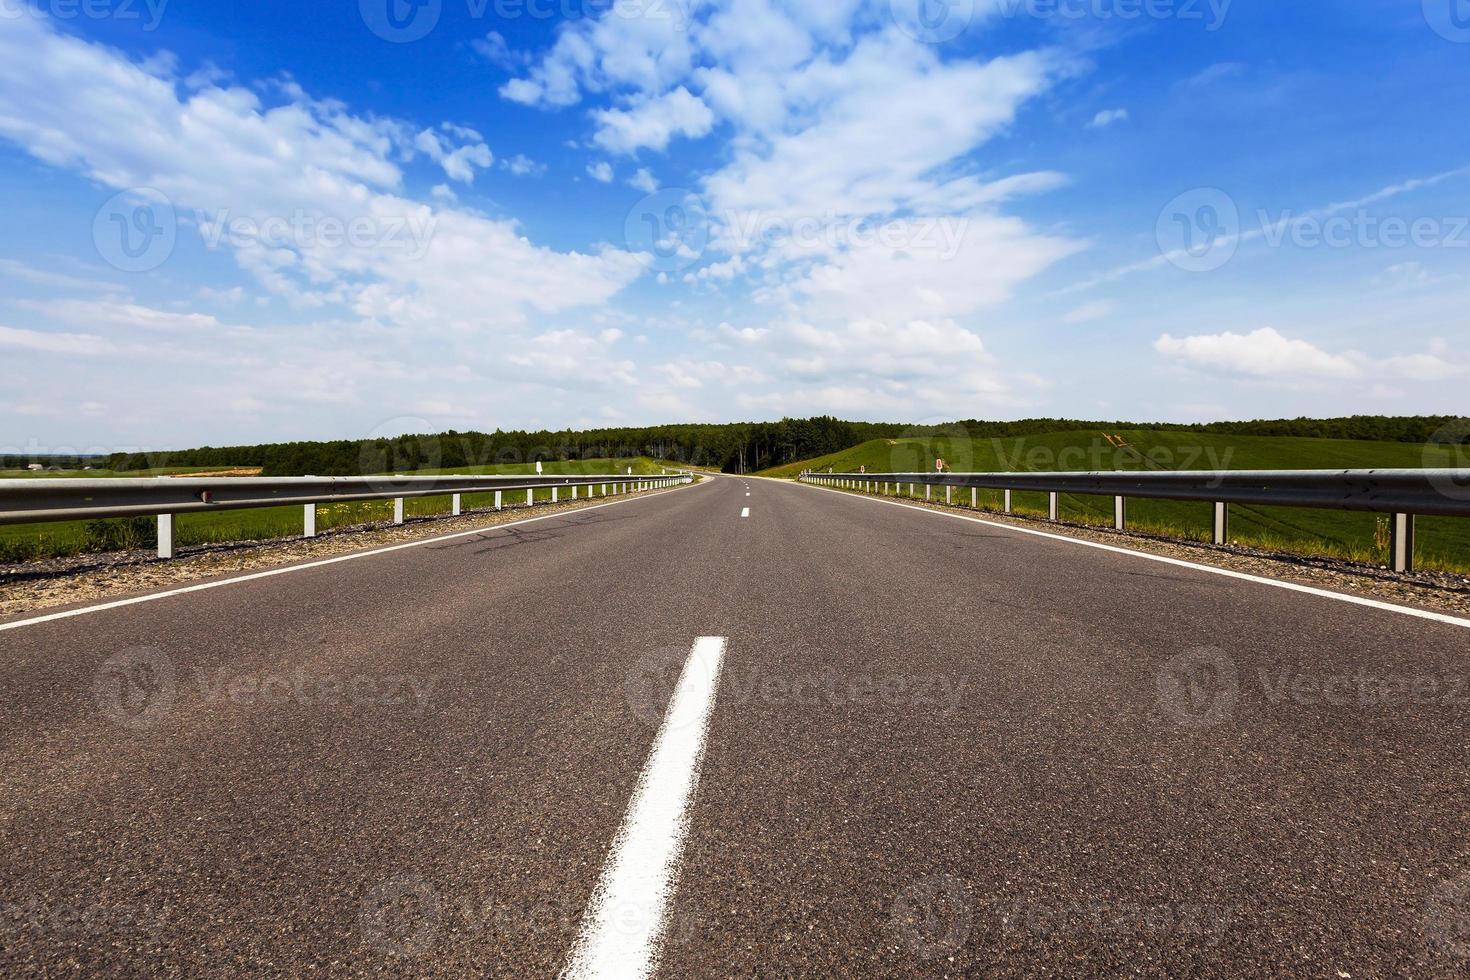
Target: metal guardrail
(1403, 494)
(36, 501)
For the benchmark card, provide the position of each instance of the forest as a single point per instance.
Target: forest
(731, 447)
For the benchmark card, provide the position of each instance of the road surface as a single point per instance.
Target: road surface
(904, 744)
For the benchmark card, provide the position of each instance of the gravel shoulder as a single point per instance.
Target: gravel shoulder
(28, 587)
(1438, 591)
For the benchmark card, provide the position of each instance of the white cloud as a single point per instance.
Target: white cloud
(644, 181)
(460, 163)
(85, 107)
(521, 165)
(652, 123)
(1107, 118)
(1264, 353)
(600, 171)
(79, 344)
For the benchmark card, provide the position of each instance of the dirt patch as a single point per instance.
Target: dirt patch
(213, 473)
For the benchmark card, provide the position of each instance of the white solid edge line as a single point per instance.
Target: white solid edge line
(270, 572)
(1226, 572)
(622, 929)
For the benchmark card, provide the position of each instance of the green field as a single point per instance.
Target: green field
(22, 542)
(1443, 542)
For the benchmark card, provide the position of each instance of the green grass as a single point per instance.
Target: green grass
(23, 542)
(1443, 542)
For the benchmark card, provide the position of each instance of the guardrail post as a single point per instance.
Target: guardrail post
(574, 493)
(1054, 505)
(974, 498)
(497, 498)
(1222, 523)
(948, 495)
(165, 535)
(1120, 513)
(1401, 542)
(911, 489)
(397, 510)
(530, 498)
(309, 520)
(456, 507)
(1008, 501)
(553, 495)
(928, 492)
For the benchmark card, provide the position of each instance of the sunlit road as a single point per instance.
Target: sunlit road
(904, 744)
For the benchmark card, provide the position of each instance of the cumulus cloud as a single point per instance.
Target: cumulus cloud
(652, 123)
(226, 153)
(1263, 353)
(1107, 118)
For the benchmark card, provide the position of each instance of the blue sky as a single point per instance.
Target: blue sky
(246, 222)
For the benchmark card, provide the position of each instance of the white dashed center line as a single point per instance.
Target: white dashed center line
(623, 926)
(745, 512)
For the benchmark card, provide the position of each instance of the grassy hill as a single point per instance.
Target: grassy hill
(26, 541)
(1443, 542)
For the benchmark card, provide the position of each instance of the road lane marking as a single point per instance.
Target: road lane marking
(271, 572)
(1177, 562)
(622, 928)
(745, 512)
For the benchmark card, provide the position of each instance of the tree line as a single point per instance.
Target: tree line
(732, 447)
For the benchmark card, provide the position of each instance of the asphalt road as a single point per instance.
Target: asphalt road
(935, 747)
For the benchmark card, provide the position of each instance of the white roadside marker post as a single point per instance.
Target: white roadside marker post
(165, 535)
